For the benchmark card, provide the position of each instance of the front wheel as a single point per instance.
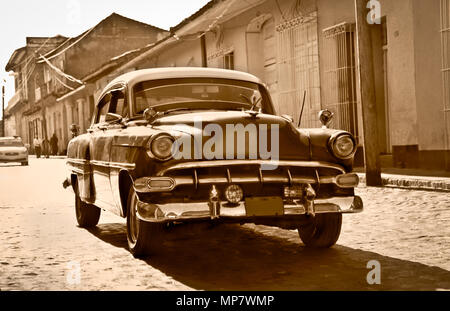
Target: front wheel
(24, 163)
(88, 215)
(144, 238)
(322, 231)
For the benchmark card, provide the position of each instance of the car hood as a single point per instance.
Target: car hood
(267, 133)
(13, 149)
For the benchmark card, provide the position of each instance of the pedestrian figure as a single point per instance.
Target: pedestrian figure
(74, 130)
(37, 146)
(46, 148)
(54, 144)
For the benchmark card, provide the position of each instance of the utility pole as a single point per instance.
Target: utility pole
(203, 50)
(367, 79)
(3, 108)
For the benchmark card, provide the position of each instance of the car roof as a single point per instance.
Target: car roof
(11, 138)
(137, 76)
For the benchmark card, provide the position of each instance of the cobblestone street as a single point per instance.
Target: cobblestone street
(407, 231)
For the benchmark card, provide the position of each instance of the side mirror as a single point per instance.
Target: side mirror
(150, 114)
(325, 117)
(113, 118)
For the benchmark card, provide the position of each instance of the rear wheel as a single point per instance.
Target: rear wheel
(87, 215)
(144, 238)
(24, 163)
(322, 231)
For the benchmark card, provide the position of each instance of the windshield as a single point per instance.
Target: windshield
(201, 94)
(11, 143)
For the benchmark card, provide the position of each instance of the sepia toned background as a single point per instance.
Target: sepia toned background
(293, 46)
(57, 56)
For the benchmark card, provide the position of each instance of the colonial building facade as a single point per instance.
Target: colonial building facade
(306, 52)
(48, 69)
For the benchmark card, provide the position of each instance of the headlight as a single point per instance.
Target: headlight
(161, 147)
(234, 194)
(343, 146)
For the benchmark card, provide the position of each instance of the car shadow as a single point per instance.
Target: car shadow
(232, 257)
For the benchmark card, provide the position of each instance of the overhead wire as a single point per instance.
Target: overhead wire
(27, 61)
(62, 83)
(60, 72)
(68, 47)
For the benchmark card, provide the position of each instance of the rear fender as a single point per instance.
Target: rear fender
(78, 154)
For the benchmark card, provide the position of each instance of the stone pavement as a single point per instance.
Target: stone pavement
(41, 247)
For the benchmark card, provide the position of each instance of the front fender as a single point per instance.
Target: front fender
(319, 151)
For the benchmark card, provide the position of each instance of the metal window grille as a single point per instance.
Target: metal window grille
(339, 92)
(298, 69)
(228, 61)
(445, 40)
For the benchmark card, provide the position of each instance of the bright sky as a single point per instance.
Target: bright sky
(26, 18)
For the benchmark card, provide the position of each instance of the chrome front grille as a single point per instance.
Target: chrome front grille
(250, 172)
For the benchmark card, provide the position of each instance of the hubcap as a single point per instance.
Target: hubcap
(134, 222)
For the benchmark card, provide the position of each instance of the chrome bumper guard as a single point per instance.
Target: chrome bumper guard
(203, 210)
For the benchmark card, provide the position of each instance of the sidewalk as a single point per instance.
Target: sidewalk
(51, 157)
(411, 179)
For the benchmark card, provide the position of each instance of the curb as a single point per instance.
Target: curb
(51, 157)
(412, 182)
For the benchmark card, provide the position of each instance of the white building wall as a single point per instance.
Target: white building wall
(429, 87)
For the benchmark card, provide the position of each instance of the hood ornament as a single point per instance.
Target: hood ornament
(254, 100)
(253, 113)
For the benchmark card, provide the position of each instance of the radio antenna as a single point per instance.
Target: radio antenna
(301, 112)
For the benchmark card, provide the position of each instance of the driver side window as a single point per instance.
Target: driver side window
(103, 108)
(113, 102)
(118, 104)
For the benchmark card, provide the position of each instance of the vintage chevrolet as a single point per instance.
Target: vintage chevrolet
(174, 145)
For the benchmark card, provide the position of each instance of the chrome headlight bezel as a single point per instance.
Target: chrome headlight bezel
(337, 138)
(154, 153)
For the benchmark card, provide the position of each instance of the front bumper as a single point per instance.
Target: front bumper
(11, 159)
(151, 212)
(198, 177)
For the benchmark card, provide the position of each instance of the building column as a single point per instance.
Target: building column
(70, 120)
(81, 109)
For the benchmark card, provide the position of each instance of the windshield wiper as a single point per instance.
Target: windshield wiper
(253, 101)
(176, 109)
(150, 114)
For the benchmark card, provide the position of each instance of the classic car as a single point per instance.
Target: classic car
(150, 156)
(12, 149)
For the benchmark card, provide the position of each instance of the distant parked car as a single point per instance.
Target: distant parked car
(150, 156)
(12, 149)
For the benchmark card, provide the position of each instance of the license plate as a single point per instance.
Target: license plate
(264, 206)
